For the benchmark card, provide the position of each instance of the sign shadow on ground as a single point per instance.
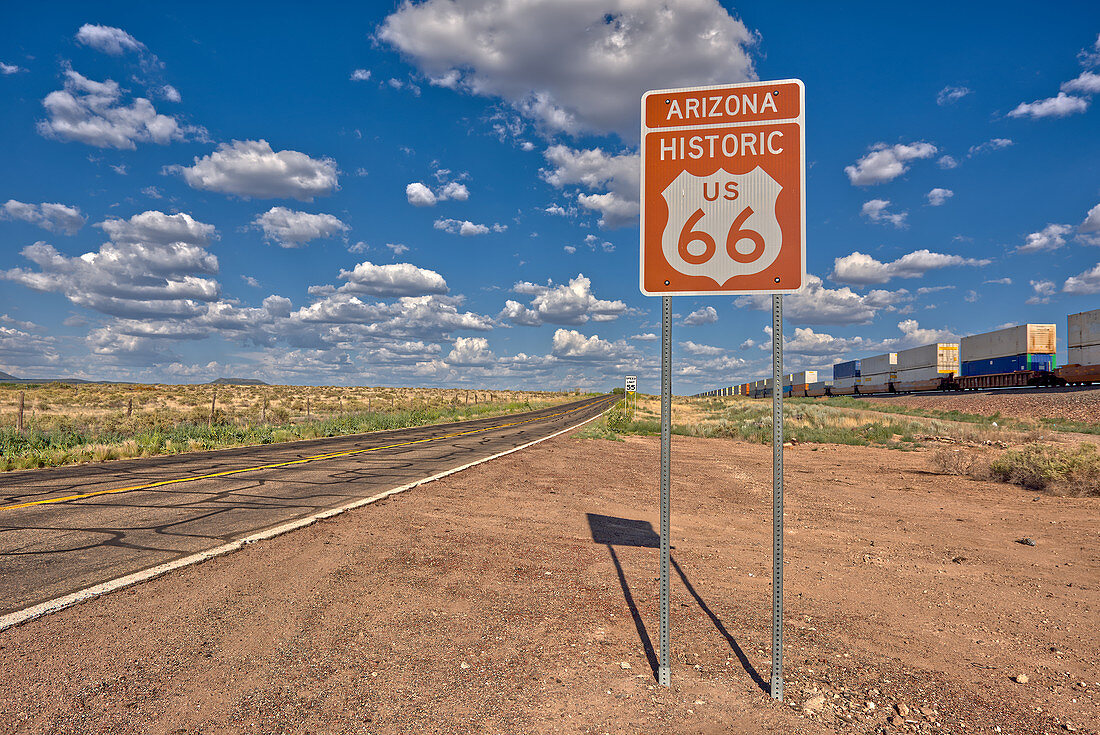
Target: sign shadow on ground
(612, 531)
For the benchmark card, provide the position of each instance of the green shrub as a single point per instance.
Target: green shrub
(1052, 469)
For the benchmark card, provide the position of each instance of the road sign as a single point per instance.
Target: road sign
(631, 383)
(723, 192)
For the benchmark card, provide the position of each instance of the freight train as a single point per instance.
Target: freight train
(1014, 357)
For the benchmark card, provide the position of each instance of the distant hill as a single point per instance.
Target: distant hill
(237, 381)
(5, 376)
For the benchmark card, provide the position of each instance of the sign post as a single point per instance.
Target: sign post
(723, 212)
(631, 395)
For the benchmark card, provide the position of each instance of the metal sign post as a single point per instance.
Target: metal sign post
(631, 395)
(777, 497)
(664, 668)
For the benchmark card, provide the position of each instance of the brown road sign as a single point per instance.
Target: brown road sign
(723, 189)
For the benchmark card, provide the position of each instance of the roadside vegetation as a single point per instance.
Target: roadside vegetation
(65, 424)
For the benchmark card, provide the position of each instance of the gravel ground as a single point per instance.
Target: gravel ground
(1075, 404)
(521, 597)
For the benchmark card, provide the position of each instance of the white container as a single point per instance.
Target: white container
(1084, 329)
(919, 374)
(879, 378)
(1018, 340)
(944, 356)
(879, 364)
(806, 376)
(1084, 355)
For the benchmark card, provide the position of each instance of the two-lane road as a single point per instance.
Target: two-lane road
(67, 529)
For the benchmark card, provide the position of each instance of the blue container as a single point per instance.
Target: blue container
(1010, 364)
(848, 369)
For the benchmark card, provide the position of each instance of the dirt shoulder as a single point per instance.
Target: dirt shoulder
(491, 602)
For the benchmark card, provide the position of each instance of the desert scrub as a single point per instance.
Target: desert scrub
(1060, 471)
(962, 461)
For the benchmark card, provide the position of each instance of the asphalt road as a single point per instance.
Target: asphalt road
(66, 529)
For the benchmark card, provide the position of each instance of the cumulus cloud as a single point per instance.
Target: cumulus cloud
(47, 215)
(993, 144)
(1059, 106)
(885, 162)
(815, 304)
(1086, 282)
(1088, 231)
(420, 195)
(470, 352)
(570, 344)
(616, 176)
(576, 66)
(876, 211)
(645, 337)
(360, 75)
(397, 248)
(170, 93)
(7, 69)
(395, 279)
(157, 228)
(108, 39)
(1043, 290)
(705, 315)
(694, 348)
(860, 268)
(431, 316)
(466, 228)
(936, 197)
(92, 112)
(1087, 83)
(250, 168)
(291, 229)
(1051, 237)
(950, 94)
(947, 162)
(572, 303)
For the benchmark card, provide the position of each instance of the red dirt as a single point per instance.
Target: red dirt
(481, 603)
(1080, 404)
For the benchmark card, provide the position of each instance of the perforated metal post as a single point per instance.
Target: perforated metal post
(664, 672)
(777, 497)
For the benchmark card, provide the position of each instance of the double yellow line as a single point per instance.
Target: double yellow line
(314, 458)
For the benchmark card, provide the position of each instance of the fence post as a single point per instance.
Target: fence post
(130, 408)
(308, 416)
(20, 423)
(263, 411)
(213, 403)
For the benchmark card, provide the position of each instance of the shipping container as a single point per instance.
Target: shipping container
(1024, 339)
(1084, 329)
(1079, 374)
(819, 388)
(944, 356)
(1089, 355)
(922, 373)
(1009, 364)
(845, 382)
(879, 364)
(848, 369)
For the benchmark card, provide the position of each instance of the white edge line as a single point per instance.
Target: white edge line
(89, 593)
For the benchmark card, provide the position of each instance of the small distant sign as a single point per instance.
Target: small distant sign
(723, 193)
(631, 383)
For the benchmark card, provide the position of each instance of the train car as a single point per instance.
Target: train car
(1015, 379)
(1083, 365)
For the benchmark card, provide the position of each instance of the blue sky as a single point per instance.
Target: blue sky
(446, 193)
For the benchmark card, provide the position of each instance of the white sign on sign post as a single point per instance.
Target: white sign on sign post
(723, 211)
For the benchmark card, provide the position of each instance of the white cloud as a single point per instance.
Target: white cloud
(1051, 237)
(876, 211)
(250, 168)
(157, 228)
(1086, 282)
(170, 93)
(569, 249)
(360, 75)
(705, 315)
(292, 229)
(1043, 291)
(431, 316)
(419, 195)
(397, 248)
(1088, 231)
(572, 303)
(92, 113)
(395, 279)
(807, 342)
(860, 268)
(617, 175)
(886, 163)
(645, 337)
(470, 352)
(913, 335)
(936, 197)
(250, 281)
(950, 94)
(47, 215)
(571, 344)
(1087, 83)
(1090, 58)
(694, 348)
(993, 144)
(109, 40)
(467, 228)
(1006, 281)
(7, 69)
(576, 66)
(815, 304)
(947, 162)
(1059, 106)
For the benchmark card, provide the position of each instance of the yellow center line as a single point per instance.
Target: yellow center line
(314, 458)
